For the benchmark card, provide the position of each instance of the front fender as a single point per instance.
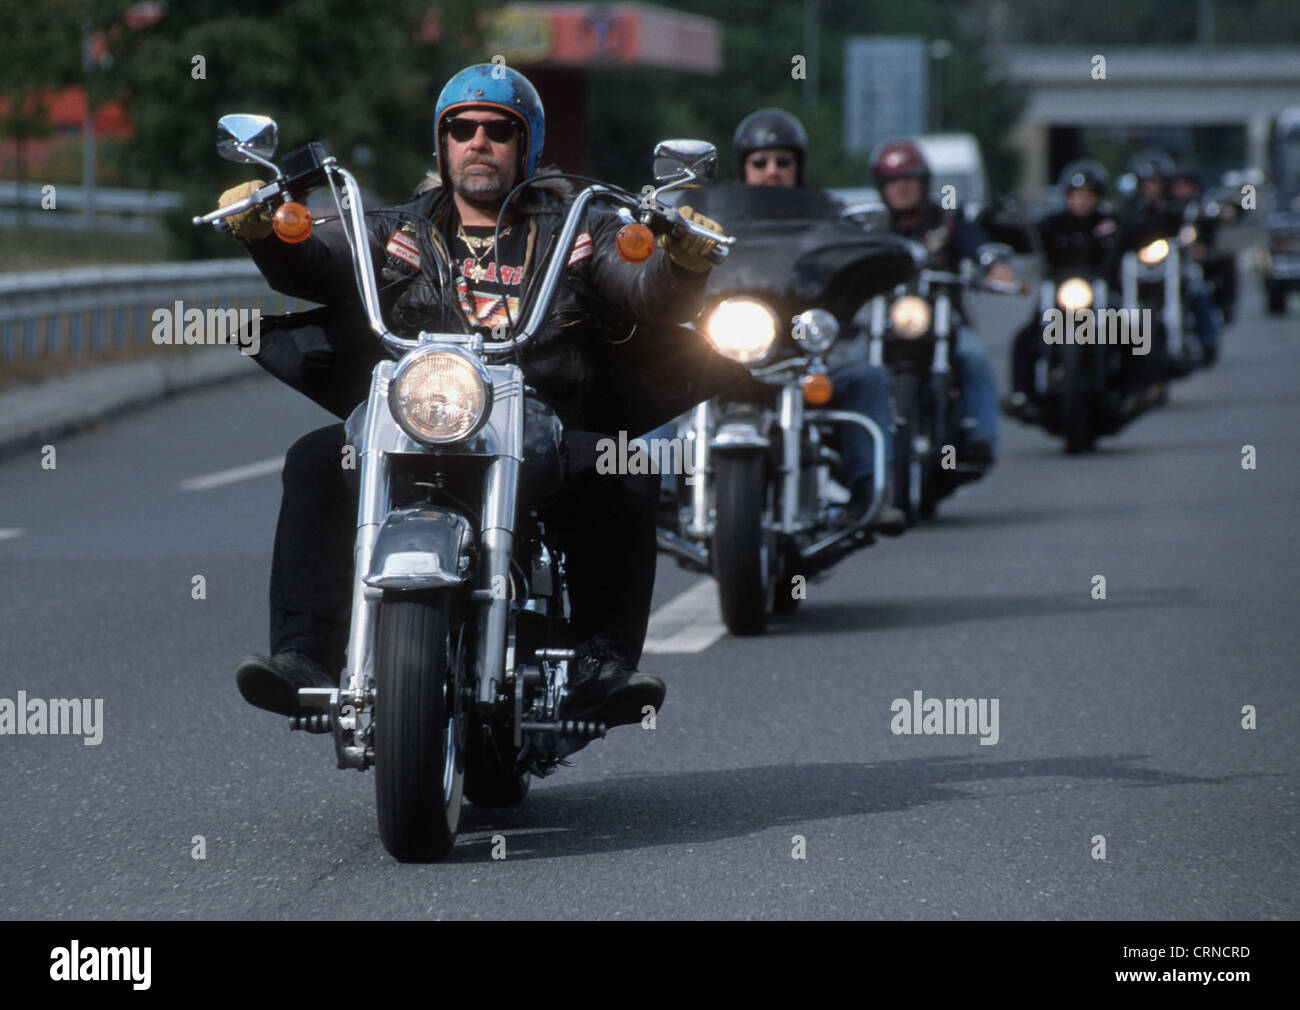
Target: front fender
(739, 436)
(421, 548)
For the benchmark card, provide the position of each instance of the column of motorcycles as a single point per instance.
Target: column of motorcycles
(458, 656)
(759, 512)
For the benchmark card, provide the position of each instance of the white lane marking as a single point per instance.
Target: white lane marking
(12, 533)
(246, 472)
(691, 622)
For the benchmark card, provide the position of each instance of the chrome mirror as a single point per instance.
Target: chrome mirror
(685, 163)
(248, 139)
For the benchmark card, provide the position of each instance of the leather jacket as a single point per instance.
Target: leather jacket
(606, 359)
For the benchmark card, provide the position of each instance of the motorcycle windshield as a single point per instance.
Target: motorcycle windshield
(793, 245)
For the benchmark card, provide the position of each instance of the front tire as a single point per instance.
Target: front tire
(907, 473)
(741, 559)
(420, 725)
(1075, 424)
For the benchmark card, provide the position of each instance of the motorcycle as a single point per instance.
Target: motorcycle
(1156, 276)
(1205, 217)
(1080, 389)
(911, 332)
(757, 513)
(457, 657)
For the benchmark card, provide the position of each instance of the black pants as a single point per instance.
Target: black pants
(604, 524)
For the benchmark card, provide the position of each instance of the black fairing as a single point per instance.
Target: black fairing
(794, 249)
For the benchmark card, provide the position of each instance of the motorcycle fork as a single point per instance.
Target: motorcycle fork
(702, 422)
(500, 498)
(790, 416)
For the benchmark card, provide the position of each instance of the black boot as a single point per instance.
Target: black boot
(272, 682)
(978, 449)
(605, 687)
(890, 520)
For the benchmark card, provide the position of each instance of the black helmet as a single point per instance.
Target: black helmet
(1152, 163)
(1188, 170)
(770, 128)
(1084, 173)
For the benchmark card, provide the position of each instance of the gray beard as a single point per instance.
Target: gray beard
(481, 190)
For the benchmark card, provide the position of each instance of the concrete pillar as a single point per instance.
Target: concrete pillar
(1258, 128)
(1030, 139)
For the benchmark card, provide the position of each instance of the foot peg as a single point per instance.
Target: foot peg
(315, 722)
(580, 729)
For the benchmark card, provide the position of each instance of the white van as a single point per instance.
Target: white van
(955, 161)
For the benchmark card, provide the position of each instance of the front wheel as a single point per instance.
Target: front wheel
(741, 559)
(420, 725)
(933, 426)
(907, 466)
(1075, 423)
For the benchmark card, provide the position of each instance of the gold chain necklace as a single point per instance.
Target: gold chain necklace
(480, 247)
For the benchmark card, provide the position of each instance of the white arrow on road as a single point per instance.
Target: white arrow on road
(246, 472)
(11, 533)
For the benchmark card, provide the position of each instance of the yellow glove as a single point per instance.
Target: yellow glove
(255, 223)
(689, 251)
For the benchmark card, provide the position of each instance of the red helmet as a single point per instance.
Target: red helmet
(898, 159)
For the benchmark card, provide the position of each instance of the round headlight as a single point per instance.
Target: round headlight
(1154, 253)
(440, 395)
(742, 328)
(816, 329)
(1076, 293)
(910, 316)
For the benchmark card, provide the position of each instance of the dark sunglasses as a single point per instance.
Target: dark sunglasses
(782, 160)
(499, 131)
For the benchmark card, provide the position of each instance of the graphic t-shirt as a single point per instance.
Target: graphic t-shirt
(489, 275)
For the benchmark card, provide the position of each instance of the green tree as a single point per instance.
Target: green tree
(44, 53)
(359, 80)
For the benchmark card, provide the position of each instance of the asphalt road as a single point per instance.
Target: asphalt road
(1119, 717)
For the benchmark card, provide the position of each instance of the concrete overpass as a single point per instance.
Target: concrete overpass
(1147, 87)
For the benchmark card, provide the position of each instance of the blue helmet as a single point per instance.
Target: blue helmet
(495, 86)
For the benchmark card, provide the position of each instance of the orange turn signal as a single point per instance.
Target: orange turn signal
(817, 388)
(634, 242)
(292, 222)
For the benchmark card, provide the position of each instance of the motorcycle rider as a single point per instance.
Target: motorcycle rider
(902, 175)
(1186, 192)
(489, 128)
(771, 149)
(1079, 239)
(1154, 213)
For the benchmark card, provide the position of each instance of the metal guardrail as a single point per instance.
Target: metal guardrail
(123, 210)
(84, 311)
(73, 198)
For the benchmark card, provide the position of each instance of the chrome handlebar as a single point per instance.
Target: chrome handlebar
(352, 218)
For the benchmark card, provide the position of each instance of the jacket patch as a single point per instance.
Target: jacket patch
(582, 248)
(402, 245)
